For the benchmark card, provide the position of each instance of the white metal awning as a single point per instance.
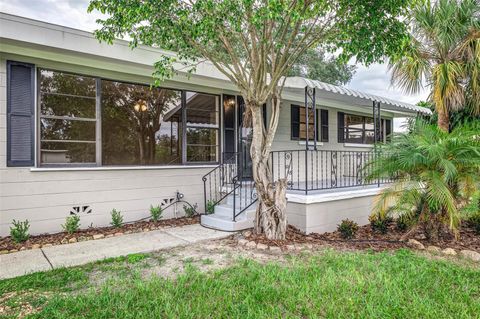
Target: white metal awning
(300, 83)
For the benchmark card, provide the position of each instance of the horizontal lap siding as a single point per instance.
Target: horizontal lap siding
(46, 198)
(283, 139)
(42, 196)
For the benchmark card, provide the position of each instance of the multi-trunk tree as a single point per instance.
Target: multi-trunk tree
(255, 44)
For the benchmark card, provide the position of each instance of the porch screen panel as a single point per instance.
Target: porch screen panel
(202, 127)
(20, 114)
(67, 119)
(141, 125)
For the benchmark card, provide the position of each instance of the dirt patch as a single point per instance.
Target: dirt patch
(6, 243)
(366, 238)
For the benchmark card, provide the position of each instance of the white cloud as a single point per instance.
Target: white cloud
(71, 13)
(375, 79)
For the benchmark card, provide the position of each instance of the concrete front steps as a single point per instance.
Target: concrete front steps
(222, 218)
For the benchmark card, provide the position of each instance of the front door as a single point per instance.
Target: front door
(237, 134)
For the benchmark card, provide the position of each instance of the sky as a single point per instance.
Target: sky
(374, 79)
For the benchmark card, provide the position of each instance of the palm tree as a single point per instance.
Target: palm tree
(436, 173)
(443, 51)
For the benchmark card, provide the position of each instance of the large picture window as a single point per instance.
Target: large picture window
(91, 121)
(67, 118)
(140, 125)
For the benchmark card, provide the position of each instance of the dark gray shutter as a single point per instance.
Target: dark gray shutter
(341, 127)
(295, 122)
(20, 114)
(324, 125)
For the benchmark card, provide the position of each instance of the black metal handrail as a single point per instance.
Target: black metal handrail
(308, 170)
(247, 196)
(216, 181)
(227, 179)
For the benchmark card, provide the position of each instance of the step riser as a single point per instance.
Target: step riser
(223, 210)
(238, 200)
(226, 225)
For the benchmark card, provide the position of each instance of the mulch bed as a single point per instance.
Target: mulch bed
(6, 243)
(368, 239)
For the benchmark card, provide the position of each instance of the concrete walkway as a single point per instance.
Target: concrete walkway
(29, 261)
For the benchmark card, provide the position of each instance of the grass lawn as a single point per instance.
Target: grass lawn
(330, 284)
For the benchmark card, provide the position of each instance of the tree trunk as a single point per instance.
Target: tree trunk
(272, 202)
(443, 121)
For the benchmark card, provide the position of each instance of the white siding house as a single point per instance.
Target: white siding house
(80, 133)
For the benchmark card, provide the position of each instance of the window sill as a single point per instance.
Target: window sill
(118, 168)
(309, 143)
(358, 145)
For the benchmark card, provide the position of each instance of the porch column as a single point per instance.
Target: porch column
(377, 132)
(310, 104)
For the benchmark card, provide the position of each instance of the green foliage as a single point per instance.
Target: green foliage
(313, 64)
(463, 116)
(347, 228)
(471, 212)
(135, 258)
(72, 224)
(379, 222)
(237, 35)
(474, 222)
(19, 231)
(404, 222)
(156, 212)
(117, 218)
(210, 206)
(434, 171)
(190, 211)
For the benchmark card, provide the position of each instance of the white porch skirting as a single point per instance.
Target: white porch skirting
(320, 212)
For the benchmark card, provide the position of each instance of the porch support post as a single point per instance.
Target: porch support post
(377, 133)
(309, 104)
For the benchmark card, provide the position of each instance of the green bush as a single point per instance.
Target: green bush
(436, 171)
(347, 228)
(190, 211)
(117, 218)
(474, 222)
(379, 223)
(404, 222)
(72, 224)
(19, 231)
(210, 207)
(156, 213)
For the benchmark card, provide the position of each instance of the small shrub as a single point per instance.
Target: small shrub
(348, 228)
(474, 222)
(404, 222)
(210, 207)
(72, 224)
(117, 218)
(379, 223)
(156, 213)
(19, 231)
(190, 211)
